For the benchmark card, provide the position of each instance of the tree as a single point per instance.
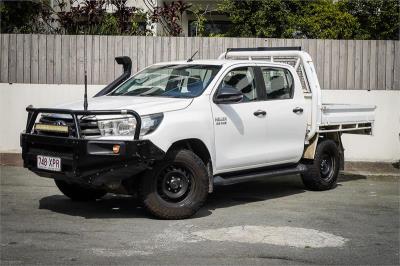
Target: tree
(200, 21)
(258, 18)
(73, 17)
(341, 19)
(26, 17)
(91, 17)
(323, 19)
(289, 19)
(127, 16)
(378, 19)
(170, 16)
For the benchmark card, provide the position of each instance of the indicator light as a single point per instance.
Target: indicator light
(116, 148)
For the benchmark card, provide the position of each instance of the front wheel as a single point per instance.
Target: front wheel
(176, 187)
(322, 173)
(79, 193)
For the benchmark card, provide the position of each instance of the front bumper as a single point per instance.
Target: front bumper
(89, 161)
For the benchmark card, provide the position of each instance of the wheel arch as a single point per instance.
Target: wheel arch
(309, 151)
(195, 145)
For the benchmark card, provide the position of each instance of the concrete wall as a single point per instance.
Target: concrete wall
(14, 98)
(383, 146)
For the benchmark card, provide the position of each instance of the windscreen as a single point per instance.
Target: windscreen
(180, 81)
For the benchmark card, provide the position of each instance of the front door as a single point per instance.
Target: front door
(240, 128)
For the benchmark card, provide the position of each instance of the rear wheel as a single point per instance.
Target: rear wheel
(323, 171)
(79, 193)
(176, 187)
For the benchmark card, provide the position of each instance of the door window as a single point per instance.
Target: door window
(242, 79)
(278, 83)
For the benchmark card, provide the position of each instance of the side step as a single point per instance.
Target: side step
(258, 175)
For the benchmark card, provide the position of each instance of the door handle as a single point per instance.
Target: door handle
(260, 113)
(298, 110)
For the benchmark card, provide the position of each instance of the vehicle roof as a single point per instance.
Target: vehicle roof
(221, 62)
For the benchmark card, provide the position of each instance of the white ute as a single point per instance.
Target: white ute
(174, 130)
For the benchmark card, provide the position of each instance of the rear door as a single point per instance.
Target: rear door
(285, 119)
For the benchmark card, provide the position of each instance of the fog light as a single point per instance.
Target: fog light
(116, 149)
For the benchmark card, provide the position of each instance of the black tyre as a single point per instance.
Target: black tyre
(176, 187)
(78, 193)
(323, 171)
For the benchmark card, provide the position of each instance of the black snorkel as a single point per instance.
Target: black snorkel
(126, 62)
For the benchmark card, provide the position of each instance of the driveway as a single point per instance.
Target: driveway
(275, 221)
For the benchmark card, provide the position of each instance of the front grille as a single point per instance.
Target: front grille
(88, 127)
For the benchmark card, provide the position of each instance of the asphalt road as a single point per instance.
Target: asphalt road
(271, 222)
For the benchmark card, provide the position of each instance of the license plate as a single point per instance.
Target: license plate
(49, 163)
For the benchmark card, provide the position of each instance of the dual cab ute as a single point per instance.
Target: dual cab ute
(173, 131)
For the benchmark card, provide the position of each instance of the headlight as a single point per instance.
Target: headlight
(150, 123)
(127, 126)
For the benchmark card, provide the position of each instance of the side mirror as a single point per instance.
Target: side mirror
(228, 94)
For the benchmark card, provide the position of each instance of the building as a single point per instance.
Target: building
(216, 22)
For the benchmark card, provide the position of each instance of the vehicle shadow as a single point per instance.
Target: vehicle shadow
(111, 206)
(118, 206)
(271, 188)
(345, 177)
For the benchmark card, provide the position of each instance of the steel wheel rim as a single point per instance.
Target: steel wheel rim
(327, 166)
(175, 183)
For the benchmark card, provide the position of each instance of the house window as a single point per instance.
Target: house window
(211, 27)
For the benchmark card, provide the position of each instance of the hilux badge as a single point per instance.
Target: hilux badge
(220, 121)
